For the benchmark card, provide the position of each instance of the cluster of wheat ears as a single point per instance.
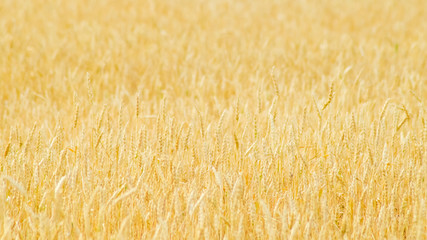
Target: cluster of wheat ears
(201, 119)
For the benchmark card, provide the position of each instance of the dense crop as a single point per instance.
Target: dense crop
(199, 119)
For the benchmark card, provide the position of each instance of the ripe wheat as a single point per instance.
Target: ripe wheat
(213, 119)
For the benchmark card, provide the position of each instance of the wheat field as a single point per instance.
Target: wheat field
(198, 119)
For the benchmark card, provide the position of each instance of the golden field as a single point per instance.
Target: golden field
(197, 119)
